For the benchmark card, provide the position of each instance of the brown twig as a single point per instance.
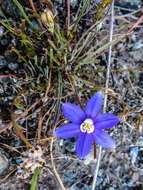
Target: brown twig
(34, 9)
(49, 84)
(95, 150)
(17, 128)
(135, 24)
(40, 123)
(68, 17)
(5, 76)
(38, 20)
(75, 89)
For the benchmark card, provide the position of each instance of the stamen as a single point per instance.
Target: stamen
(87, 126)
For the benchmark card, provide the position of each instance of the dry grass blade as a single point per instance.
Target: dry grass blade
(17, 127)
(5, 76)
(7, 176)
(40, 123)
(39, 21)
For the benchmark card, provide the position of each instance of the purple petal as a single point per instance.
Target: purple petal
(94, 105)
(73, 112)
(67, 131)
(106, 121)
(84, 144)
(103, 139)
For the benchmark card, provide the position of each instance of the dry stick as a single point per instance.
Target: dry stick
(106, 85)
(7, 176)
(5, 76)
(49, 84)
(78, 98)
(39, 21)
(68, 21)
(138, 21)
(75, 89)
(40, 123)
(53, 165)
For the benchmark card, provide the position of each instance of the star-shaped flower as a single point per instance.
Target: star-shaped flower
(88, 126)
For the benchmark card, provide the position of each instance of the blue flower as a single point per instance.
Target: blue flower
(88, 126)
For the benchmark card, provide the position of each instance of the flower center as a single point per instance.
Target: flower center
(87, 126)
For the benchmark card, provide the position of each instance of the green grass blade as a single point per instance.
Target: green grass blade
(77, 53)
(34, 178)
(87, 58)
(59, 95)
(9, 27)
(86, 2)
(24, 14)
(19, 55)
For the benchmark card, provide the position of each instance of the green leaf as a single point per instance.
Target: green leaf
(34, 178)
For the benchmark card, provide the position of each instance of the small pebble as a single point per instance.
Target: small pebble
(35, 23)
(134, 153)
(73, 3)
(130, 4)
(3, 62)
(69, 145)
(138, 45)
(69, 177)
(1, 31)
(17, 143)
(4, 42)
(111, 188)
(13, 66)
(140, 141)
(135, 177)
(19, 160)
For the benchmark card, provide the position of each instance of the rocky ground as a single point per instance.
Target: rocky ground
(120, 170)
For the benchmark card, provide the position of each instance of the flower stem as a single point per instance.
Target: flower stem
(105, 97)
